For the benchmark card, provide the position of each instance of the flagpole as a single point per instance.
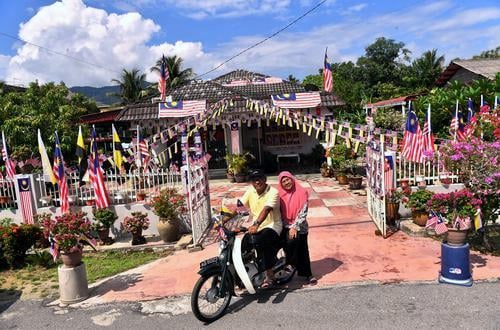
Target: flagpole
(457, 123)
(429, 118)
(482, 100)
(138, 160)
(113, 143)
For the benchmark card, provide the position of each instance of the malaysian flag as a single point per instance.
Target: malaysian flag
(440, 227)
(96, 175)
(297, 100)
(9, 165)
(462, 223)
(181, 108)
(142, 150)
(457, 126)
(164, 75)
(26, 201)
(413, 145)
(428, 137)
(471, 118)
(60, 176)
(327, 74)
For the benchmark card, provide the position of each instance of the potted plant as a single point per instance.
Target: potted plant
(66, 234)
(456, 208)
(417, 202)
(135, 224)
(140, 195)
(229, 171)
(339, 154)
(392, 201)
(103, 221)
(169, 206)
(355, 181)
(239, 164)
(326, 171)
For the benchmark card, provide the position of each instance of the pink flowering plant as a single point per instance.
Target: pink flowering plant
(169, 205)
(137, 222)
(458, 207)
(67, 232)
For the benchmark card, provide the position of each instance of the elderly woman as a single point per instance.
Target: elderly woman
(293, 205)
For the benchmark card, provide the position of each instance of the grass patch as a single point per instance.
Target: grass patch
(39, 279)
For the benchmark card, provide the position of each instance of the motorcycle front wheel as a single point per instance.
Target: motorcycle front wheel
(206, 301)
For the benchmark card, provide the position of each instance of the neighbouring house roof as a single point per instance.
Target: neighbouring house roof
(100, 117)
(219, 88)
(486, 68)
(402, 100)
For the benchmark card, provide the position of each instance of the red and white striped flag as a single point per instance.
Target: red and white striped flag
(95, 174)
(26, 199)
(440, 227)
(427, 133)
(413, 144)
(9, 165)
(327, 74)
(60, 176)
(389, 174)
(297, 100)
(181, 108)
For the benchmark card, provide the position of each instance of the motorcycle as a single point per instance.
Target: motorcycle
(235, 266)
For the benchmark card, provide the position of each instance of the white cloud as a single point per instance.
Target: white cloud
(357, 7)
(110, 41)
(4, 62)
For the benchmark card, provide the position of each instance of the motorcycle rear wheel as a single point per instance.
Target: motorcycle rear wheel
(210, 296)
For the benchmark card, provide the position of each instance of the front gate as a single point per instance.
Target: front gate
(375, 165)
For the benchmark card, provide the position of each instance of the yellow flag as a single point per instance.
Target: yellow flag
(327, 136)
(356, 146)
(310, 130)
(317, 133)
(395, 140)
(350, 132)
(361, 133)
(175, 147)
(47, 168)
(382, 138)
(322, 123)
(334, 138)
(117, 148)
(339, 132)
(478, 223)
(170, 152)
(314, 122)
(304, 128)
(348, 143)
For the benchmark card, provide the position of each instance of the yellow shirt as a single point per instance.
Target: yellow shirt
(256, 203)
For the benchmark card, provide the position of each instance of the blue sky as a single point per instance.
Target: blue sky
(117, 34)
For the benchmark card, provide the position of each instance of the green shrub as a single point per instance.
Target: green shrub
(103, 218)
(15, 241)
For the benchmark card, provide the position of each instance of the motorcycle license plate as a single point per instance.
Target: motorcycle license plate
(210, 261)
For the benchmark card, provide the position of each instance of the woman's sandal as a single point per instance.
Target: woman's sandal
(268, 283)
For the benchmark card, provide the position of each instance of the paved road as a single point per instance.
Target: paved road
(404, 306)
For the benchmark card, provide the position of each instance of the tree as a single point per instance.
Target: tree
(132, 84)
(492, 53)
(383, 62)
(177, 75)
(313, 79)
(293, 80)
(425, 70)
(48, 107)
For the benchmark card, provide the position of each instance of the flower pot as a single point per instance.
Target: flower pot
(405, 183)
(89, 202)
(240, 177)
(455, 237)
(72, 259)
(355, 182)
(4, 199)
(342, 179)
(104, 236)
(168, 230)
(141, 196)
(137, 238)
(391, 212)
(420, 218)
(230, 176)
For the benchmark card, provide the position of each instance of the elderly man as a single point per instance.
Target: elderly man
(263, 202)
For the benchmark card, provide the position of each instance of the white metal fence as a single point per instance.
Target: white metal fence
(122, 188)
(431, 172)
(7, 194)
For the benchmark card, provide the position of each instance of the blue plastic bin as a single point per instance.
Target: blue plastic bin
(455, 265)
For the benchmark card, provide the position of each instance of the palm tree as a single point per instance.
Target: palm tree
(427, 68)
(177, 76)
(132, 84)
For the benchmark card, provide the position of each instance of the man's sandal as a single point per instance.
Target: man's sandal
(268, 283)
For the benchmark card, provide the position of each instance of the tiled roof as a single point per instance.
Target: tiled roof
(100, 117)
(213, 91)
(391, 102)
(487, 68)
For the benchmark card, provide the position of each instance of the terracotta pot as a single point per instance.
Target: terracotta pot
(455, 237)
(141, 196)
(89, 202)
(4, 199)
(405, 183)
(168, 230)
(420, 217)
(342, 179)
(72, 259)
(391, 212)
(355, 182)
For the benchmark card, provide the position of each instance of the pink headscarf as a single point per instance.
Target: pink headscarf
(291, 201)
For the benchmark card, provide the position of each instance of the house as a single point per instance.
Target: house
(400, 103)
(466, 71)
(264, 139)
